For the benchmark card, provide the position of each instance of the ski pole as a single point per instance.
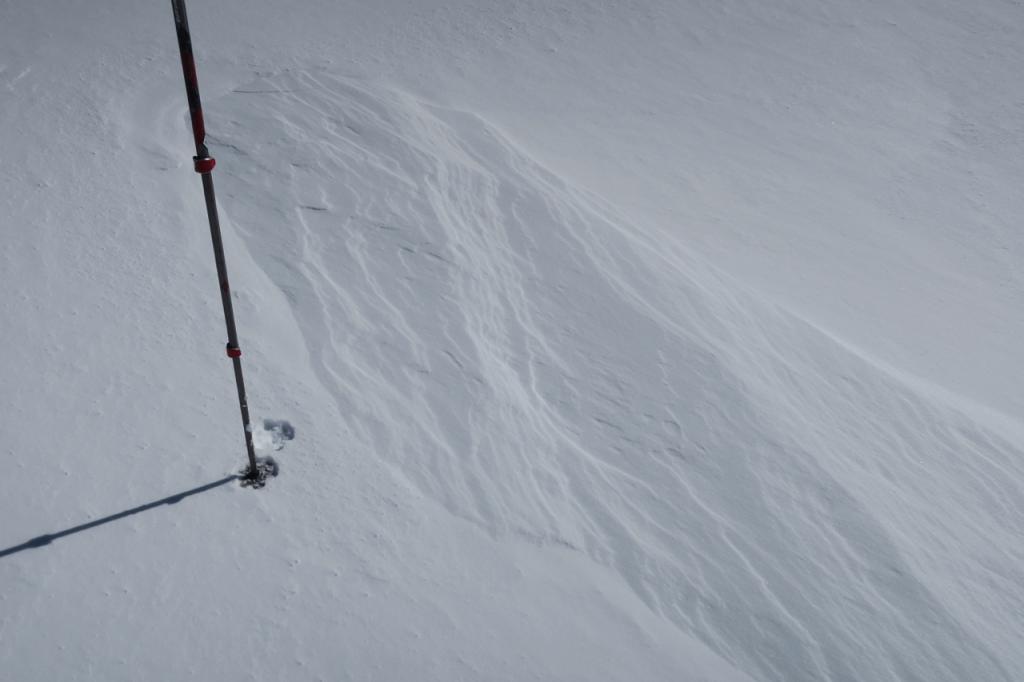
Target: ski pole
(204, 164)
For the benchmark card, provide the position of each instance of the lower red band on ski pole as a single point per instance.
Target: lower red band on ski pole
(234, 351)
(204, 165)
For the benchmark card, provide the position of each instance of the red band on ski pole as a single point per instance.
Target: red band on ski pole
(204, 165)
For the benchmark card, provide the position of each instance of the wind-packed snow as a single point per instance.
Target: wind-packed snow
(639, 341)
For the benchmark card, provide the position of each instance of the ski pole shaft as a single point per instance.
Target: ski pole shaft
(204, 164)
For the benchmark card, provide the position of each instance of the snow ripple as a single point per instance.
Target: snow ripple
(548, 371)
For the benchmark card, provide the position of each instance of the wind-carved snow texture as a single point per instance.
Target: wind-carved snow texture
(550, 373)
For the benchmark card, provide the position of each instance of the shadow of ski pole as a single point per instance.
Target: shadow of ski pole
(44, 540)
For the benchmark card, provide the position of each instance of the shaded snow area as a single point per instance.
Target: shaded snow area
(594, 341)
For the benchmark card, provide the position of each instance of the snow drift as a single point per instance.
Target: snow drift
(539, 432)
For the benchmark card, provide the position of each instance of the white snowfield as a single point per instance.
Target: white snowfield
(622, 341)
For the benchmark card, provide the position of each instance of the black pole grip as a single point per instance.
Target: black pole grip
(188, 68)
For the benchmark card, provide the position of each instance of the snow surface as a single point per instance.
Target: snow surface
(642, 340)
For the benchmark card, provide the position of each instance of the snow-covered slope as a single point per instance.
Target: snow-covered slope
(621, 342)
